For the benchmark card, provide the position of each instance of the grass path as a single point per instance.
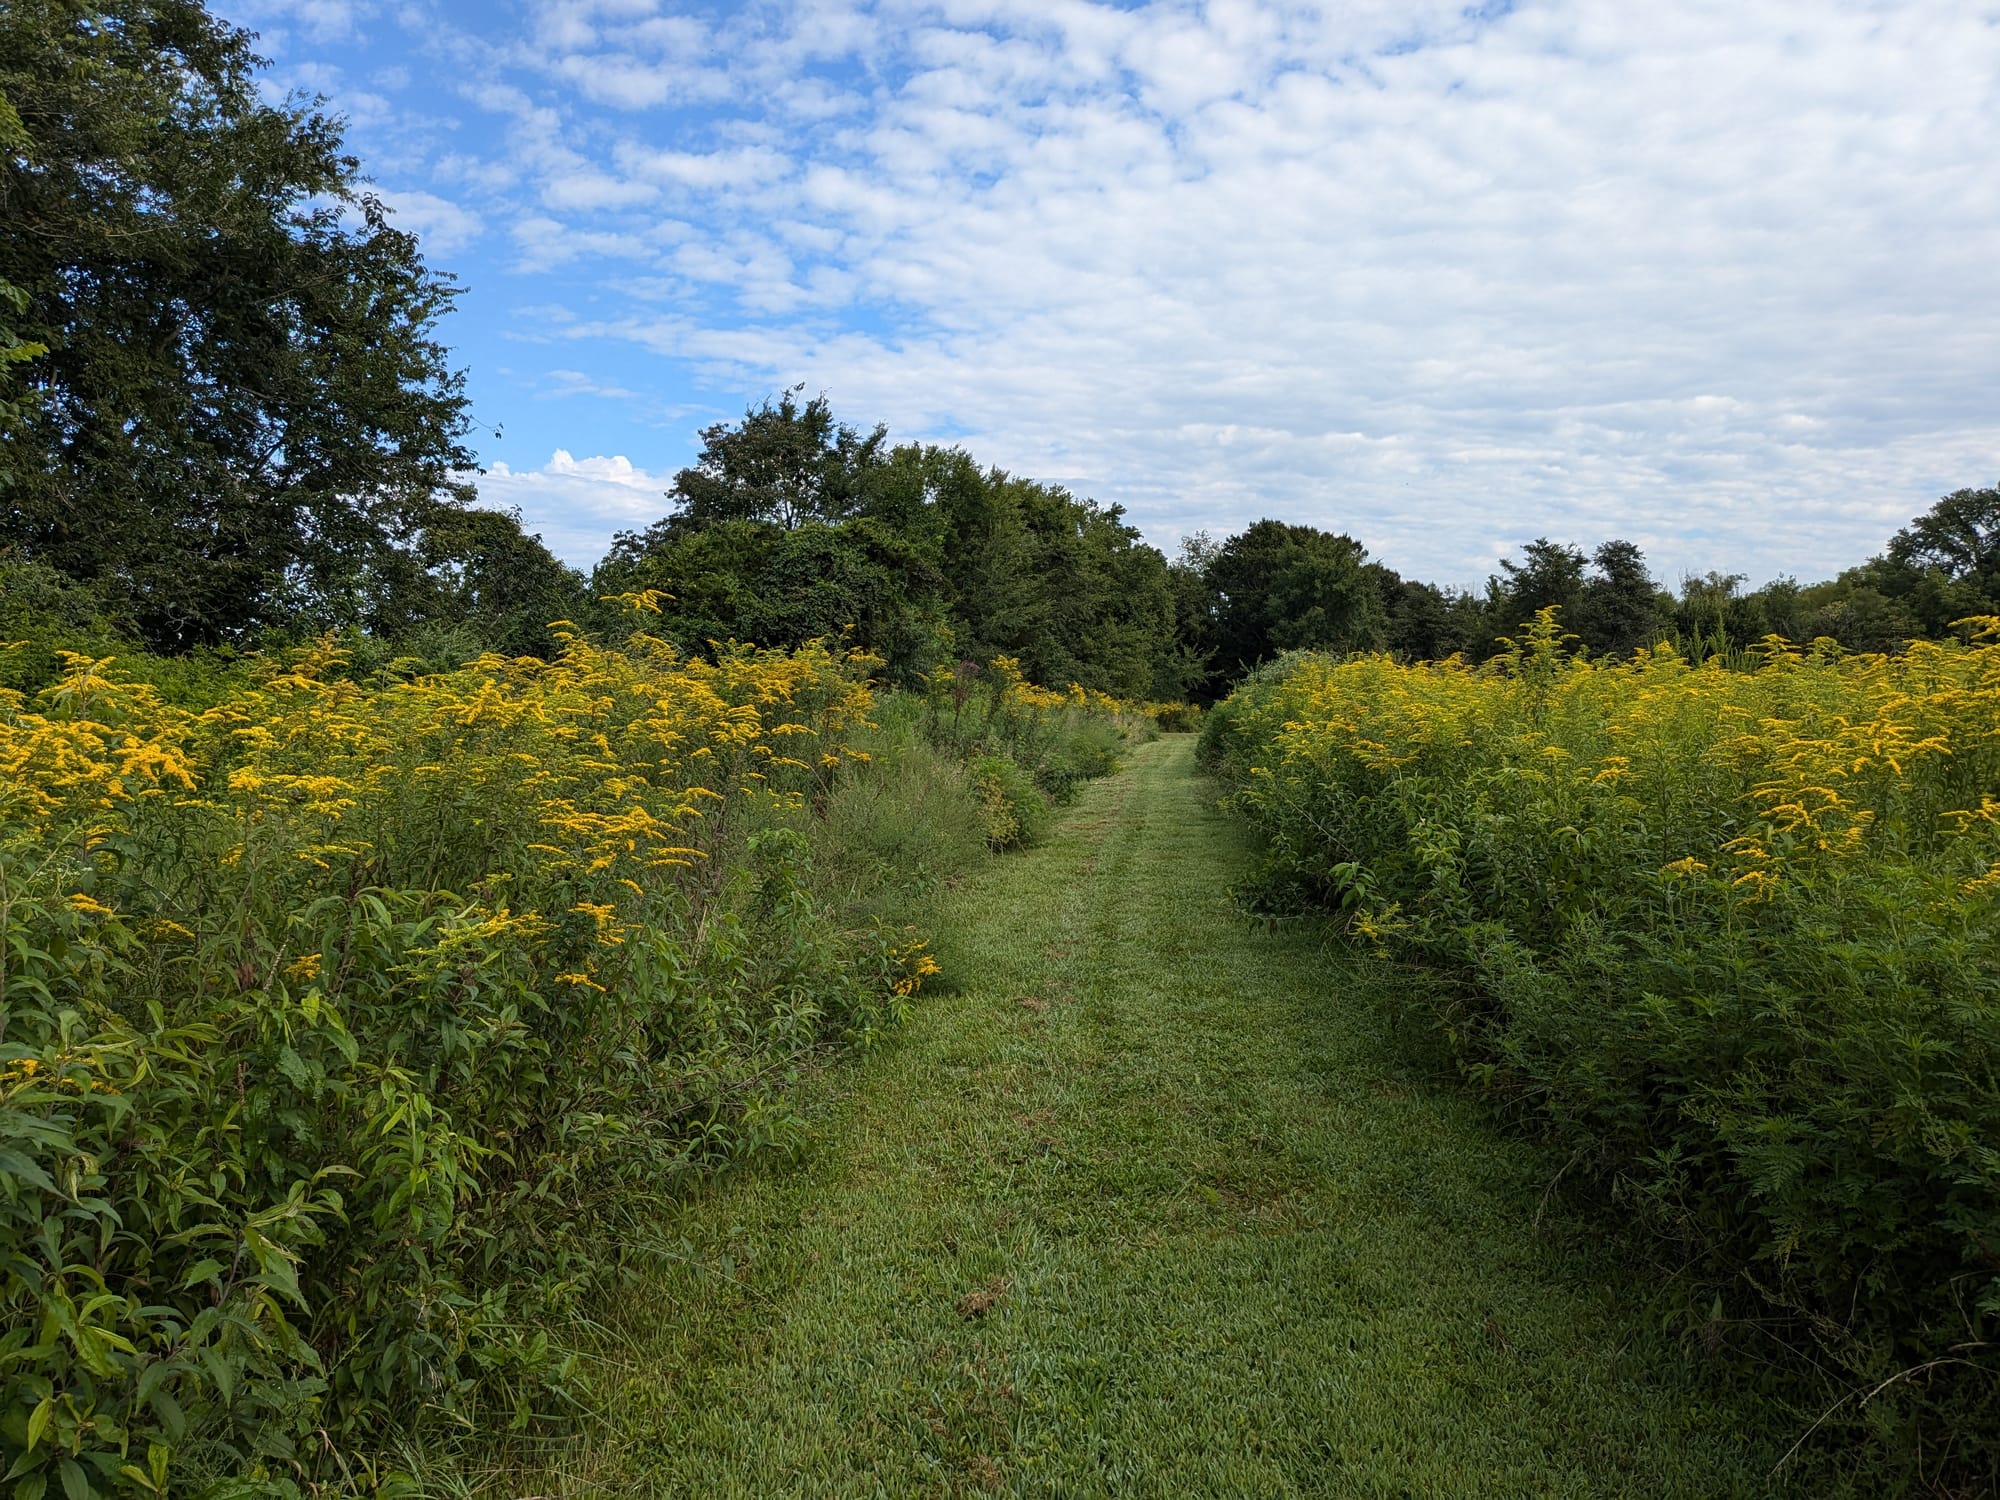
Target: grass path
(1150, 1206)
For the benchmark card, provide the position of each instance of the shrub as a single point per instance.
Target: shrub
(351, 1031)
(1089, 750)
(1015, 808)
(1732, 934)
(1060, 739)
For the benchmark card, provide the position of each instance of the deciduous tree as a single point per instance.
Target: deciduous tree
(244, 402)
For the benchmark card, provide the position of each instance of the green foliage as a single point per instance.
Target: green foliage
(1094, 748)
(1549, 576)
(790, 526)
(1028, 748)
(1941, 568)
(478, 573)
(1618, 609)
(1274, 587)
(14, 350)
(783, 465)
(353, 1034)
(1958, 538)
(755, 581)
(902, 825)
(44, 616)
(1016, 810)
(243, 407)
(1729, 934)
(1153, 1206)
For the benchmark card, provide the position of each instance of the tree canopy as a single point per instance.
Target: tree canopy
(784, 464)
(244, 404)
(790, 525)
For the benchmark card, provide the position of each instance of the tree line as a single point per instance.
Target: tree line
(1278, 586)
(228, 417)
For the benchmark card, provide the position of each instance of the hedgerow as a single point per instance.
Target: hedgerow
(1730, 934)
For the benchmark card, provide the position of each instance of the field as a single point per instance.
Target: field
(638, 1073)
(1148, 1200)
(557, 940)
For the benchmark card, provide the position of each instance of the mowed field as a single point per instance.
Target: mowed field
(1152, 1201)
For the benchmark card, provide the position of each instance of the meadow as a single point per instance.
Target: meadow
(1724, 932)
(779, 1010)
(358, 1027)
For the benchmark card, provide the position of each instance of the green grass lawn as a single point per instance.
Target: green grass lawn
(1150, 1204)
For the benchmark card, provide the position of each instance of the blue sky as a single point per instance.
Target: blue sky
(1719, 277)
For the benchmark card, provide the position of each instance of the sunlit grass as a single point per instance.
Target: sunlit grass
(1152, 1203)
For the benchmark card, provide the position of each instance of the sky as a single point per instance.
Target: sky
(1720, 276)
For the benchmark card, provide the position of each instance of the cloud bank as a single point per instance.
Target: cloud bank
(1716, 277)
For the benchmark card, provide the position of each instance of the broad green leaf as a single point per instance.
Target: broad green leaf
(38, 1420)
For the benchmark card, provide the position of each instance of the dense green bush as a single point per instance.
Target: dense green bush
(1016, 809)
(902, 824)
(1023, 740)
(1090, 750)
(352, 1033)
(1731, 935)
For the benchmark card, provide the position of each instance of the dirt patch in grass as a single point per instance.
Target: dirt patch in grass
(980, 1301)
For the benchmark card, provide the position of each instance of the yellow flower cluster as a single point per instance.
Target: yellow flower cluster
(916, 965)
(617, 766)
(89, 744)
(1812, 761)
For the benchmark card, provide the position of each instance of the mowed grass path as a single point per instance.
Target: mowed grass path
(1151, 1204)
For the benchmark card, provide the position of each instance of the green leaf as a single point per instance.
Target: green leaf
(168, 1410)
(14, 1164)
(75, 1483)
(38, 1420)
(205, 1269)
(32, 1488)
(93, 1349)
(273, 1264)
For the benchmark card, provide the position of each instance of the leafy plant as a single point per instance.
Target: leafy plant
(351, 1030)
(1016, 809)
(1730, 932)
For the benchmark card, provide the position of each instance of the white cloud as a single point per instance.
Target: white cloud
(318, 20)
(545, 243)
(1714, 276)
(577, 383)
(443, 226)
(577, 503)
(591, 190)
(738, 167)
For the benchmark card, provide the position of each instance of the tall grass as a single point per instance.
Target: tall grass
(1732, 934)
(1029, 747)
